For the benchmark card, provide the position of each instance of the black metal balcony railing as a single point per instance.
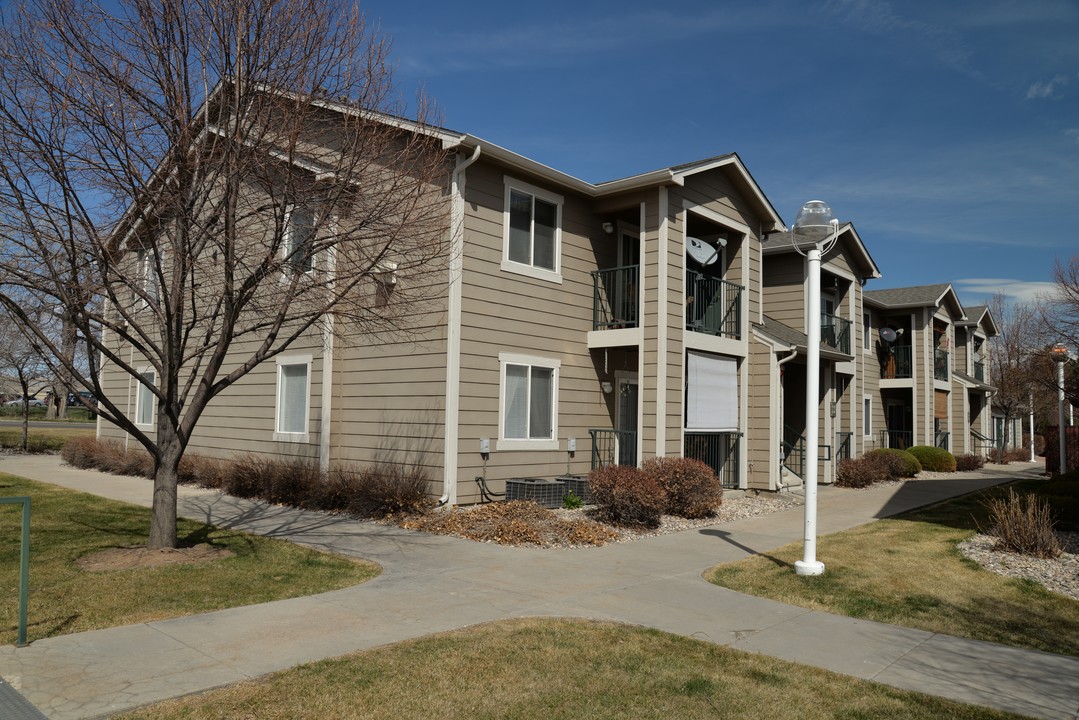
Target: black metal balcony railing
(901, 439)
(713, 306)
(842, 443)
(613, 447)
(941, 439)
(940, 364)
(793, 449)
(835, 331)
(896, 363)
(979, 371)
(717, 450)
(614, 298)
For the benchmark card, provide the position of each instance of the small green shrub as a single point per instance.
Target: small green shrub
(862, 472)
(693, 489)
(1023, 524)
(968, 462)
(625, 495)
(934, 459)
(900, 463)
(570, 501)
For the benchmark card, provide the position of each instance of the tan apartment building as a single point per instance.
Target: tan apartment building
(931, 386)
(579, 324)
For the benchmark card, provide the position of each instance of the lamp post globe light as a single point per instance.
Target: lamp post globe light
(815, 223)
(1060, 356)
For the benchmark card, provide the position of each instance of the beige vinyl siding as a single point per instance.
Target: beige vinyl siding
(759, 444)
(959, 442)
(506, 312)
(784, 289)
(676, 323)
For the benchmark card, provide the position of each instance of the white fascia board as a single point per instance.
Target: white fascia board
(755, 189)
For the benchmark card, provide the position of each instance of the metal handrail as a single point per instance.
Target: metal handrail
(793, 448)
(835, 331)
(940, 364)
(613, 447)
(897, 363)
(843, 445)
(941, 439)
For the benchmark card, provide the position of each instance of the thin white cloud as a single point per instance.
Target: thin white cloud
(1073, 133)
(877, 17)
(1047, 89)
(1015, 290)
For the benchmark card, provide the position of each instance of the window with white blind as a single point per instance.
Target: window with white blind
(528, 403)
(144, 399)
(711, 392)
(293, 398)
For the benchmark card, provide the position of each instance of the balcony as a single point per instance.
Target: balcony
(897, 363)
(836, 332)
(940, 364)
(979, 371)
(717, 450)
(614, 298)
(713, 306)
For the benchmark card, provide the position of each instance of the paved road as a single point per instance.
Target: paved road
(434, 583)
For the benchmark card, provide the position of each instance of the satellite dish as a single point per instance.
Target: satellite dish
(888, 335)
(703, 253)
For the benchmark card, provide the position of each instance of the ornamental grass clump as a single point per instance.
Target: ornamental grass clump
(1023, 524)
(625, 495)
(693, 489)
(934, 459)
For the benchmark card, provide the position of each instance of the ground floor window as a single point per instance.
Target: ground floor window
(293, 398)
(144, 398)
(528, 402)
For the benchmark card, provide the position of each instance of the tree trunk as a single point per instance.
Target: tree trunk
(166, 480)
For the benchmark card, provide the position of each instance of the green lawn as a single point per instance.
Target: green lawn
(544, 668)
(67, 525)
(42, 439)
(907, 571)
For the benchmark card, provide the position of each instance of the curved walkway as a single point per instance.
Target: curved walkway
(435, 583)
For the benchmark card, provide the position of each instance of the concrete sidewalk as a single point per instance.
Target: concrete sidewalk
(435, 583)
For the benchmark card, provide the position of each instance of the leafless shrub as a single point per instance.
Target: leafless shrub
(693, 489)
(627, 496)
(1023, 524)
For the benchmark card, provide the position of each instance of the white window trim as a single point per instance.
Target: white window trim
(505, 443)
(286, 242)
(140, 389)
(296, 437)
(508, 265)
(867, 420)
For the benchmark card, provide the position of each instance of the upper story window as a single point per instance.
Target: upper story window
(532, 235)
(299, 239)
(147, 270)
(867, 332)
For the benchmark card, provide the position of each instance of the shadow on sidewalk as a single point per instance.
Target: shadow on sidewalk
(729, 538)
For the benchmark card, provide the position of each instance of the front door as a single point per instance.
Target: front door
(626, 400)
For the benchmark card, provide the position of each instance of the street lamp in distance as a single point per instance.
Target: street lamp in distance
(1060, 356)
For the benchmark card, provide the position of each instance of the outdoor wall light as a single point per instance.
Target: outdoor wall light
(606, 387)
(608, 228)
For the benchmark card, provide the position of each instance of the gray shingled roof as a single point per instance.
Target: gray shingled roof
(918, 296)
(787, 335)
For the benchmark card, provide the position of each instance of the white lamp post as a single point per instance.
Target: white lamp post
(1060, 356)
(815, 223)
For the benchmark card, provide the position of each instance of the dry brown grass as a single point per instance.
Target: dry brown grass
(543, 668)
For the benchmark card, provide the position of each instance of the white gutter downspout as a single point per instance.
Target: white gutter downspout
(780, 364)
(453, 330)
(326, 415)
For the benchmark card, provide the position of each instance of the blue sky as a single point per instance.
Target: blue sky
(947, 131)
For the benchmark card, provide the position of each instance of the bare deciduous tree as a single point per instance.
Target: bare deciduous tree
(196, 184)
(1013, 366)
(24, 361)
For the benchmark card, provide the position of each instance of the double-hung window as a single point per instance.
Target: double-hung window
(528, 407)
(867, 332)
(147, 277)
(293, 398)
(867, 416)
(144, 399)
(299, 239)
(532, 233)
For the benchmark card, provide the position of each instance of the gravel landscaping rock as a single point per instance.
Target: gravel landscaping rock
(1059, 575)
